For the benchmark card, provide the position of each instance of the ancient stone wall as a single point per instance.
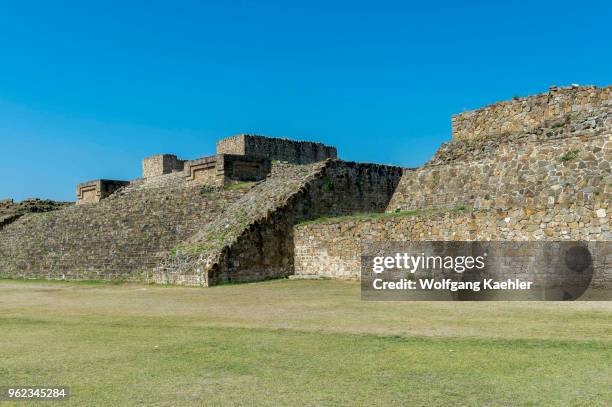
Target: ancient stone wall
(536, 168)
(333, 248)
(239, 168)
(565, 159)
(10, 210)
(161, 164)
(94, 191)
(570, 170)
(253, 239)
(121, 237)
(266, 249)
(222, 169)
(204, 171)
(276, 149)
(524, 115)
(172, 180)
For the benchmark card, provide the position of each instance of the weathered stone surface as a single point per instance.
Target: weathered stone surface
(161, 164)
(532, 169)
(122, 237)
(10, 211)
(276, 149)
(333, 248)
(223, 169)
(550, 110)
(94, 191)
(253, 238)
(523, 172)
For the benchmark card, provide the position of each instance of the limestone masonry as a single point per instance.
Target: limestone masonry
(534, 168)
(239, 158)
(297, 152)
(526, 115)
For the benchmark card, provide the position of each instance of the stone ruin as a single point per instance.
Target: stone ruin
(530, 169)
(241, 158)
(94, 191)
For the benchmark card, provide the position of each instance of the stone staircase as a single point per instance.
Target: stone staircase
(122, 237)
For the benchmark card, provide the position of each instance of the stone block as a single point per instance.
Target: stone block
(204, 171)
(94, 191)
(161, 164)
(226, 168)
(553, 110)
(276, 149)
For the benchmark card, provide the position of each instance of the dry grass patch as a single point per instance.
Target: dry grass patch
(296, 343)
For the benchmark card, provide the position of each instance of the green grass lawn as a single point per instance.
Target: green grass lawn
(299, 343)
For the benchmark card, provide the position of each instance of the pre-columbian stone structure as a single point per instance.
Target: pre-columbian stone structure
(535, 168)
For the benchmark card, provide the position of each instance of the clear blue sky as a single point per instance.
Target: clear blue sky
(87, 89)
